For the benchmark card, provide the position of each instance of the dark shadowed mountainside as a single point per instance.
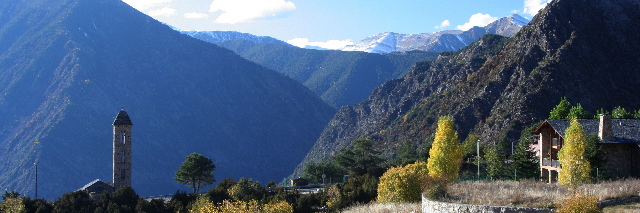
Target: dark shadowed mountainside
(584, 50)
(68, 66)
(340, 78)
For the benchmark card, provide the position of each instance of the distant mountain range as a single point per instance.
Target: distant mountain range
(68, 66)
(346, 78)
(450, 40)
(221, 36)
(583, 50)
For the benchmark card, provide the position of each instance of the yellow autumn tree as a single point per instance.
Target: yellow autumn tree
(576, 169)
(403, 184)
(445, 154)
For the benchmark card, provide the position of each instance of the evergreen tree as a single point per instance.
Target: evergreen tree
(445, 154)
(495, 163)
(406, 154)
(578, 112)
(469, 146)
(196, 171)
(576, 170)
(247, 190)
(360, 160)
(561, 111)
(524, 162)
(314, 171)
(621, 113)
(595, 154)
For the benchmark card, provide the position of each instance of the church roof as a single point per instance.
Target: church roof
(122, 118)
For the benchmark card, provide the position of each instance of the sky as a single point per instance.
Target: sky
(332, 24)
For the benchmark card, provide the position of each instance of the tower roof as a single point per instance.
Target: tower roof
(122, 119)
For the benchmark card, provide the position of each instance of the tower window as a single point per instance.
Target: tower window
(122, 137)
(122, 156)
(122, 174)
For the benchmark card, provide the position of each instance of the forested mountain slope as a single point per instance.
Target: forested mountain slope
(340, 78)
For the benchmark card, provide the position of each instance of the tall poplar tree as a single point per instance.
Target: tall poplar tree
(445, 154)
(576, 169)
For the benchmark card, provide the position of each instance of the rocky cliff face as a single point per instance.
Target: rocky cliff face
(450, 40)
(584, 50)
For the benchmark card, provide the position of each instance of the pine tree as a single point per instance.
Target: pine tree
(196, 171)
(576, 169)
(578, 112)
(524, 161)
(561, 111)
(445, 154)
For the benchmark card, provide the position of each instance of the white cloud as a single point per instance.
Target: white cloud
(146, 4)
(477, 19)
(331, 44)
(195, 15)
(532, 7)
(444, 24)
(236, 11)
(167, 11)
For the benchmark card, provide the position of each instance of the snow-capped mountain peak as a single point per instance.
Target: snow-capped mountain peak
(519, 20)
(450, 40)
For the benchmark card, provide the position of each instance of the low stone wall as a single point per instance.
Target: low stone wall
(442, 207)
(616, 201)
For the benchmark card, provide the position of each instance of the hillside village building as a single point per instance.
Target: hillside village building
(121, 159)
(620, 139)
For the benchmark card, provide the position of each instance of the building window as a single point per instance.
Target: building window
(122, 137)
(122, 174)
(122, 156)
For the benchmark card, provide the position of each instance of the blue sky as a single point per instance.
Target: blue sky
(331, 23)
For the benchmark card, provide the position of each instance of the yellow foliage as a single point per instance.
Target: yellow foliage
(576, 169)
(278, 207)
(579, 203)
(12, 205)
(403, 184)
(445, 154)
(205, 206)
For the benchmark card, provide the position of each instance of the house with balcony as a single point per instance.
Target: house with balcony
(620, 139)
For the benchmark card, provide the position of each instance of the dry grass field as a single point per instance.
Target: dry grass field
(531, 193)
(524, 193)
(385, 208)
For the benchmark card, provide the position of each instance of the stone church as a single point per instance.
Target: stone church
(121, 159)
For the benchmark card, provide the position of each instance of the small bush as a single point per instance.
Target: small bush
(435, 191)
(403, 184)
(581, 203)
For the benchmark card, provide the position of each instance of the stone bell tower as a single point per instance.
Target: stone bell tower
(122, 150)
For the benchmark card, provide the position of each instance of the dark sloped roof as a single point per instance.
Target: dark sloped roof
(122, 119)
(624, 130)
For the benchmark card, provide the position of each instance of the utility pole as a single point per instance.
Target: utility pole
(36, 197)
(478, 157)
